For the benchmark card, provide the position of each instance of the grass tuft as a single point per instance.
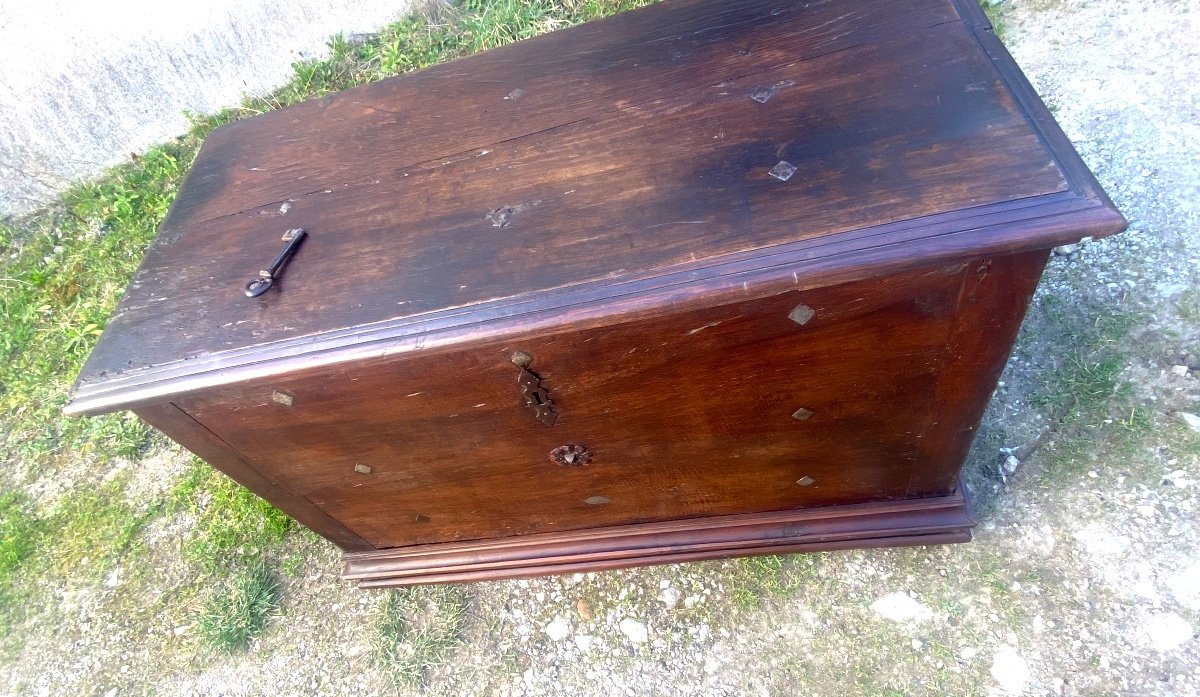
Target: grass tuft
(1090, 403)
(18, 534)
(755, 580)
(997, 14)
(487, 24)
(233, 525)
(20, 531)
(238, 609)
(93, 529)
(420, 628)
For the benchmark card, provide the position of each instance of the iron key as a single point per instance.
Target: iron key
(266, 277)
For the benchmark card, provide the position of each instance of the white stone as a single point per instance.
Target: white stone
(1011, 463)
(968, 653)
(1180, 370)
(899, 607)
(1167, 631)
(584, 642)
(1178, 478)
(634, 630)
(1192, 421)
(1009, 670)
(1185, 587)
(558, 629)
(669, 597)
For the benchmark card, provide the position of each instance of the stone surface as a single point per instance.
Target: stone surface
(1010, 670)
(899, 607)
(635, 631)
(558, 629)
(1167, 631)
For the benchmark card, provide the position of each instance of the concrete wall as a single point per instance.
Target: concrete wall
(85, 83)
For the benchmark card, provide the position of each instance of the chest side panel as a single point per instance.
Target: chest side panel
(800, 399)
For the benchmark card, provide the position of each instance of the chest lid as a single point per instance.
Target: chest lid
(661, 153)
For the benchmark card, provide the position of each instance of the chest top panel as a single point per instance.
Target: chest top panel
(661, 141)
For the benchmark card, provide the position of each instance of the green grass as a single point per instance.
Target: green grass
(78, 540)
(237, 610)
(61, 273)
(92, 530)
(1095, 351)
(232, 524)
(419, 631)
(1187, 305)
(18, 532)
(753, 581)
(1092, 407)
(997, 15)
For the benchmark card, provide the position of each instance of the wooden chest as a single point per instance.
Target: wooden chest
(710, 278)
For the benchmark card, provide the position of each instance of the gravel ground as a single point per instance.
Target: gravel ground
(1084, 577)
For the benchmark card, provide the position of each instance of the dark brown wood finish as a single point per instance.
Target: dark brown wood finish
(935, 520)
(748, 363)
(628, 184)
(195, 437)
(687, 415)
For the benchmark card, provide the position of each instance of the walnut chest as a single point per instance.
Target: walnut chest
(709, 278)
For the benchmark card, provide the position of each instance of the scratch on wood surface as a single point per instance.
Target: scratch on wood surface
(697, 330)
(503, 215)
(763, 93)
(677, 222)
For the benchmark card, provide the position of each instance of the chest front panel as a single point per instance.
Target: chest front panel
(802, 399)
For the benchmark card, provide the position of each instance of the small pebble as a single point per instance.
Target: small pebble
(635, 631)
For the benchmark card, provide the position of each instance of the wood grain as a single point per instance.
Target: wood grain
(525, 89)
(670, 406)
(892, 524)
(198, 439)
(883, 122)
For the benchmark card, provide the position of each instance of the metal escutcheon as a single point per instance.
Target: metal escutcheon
(571, 455)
